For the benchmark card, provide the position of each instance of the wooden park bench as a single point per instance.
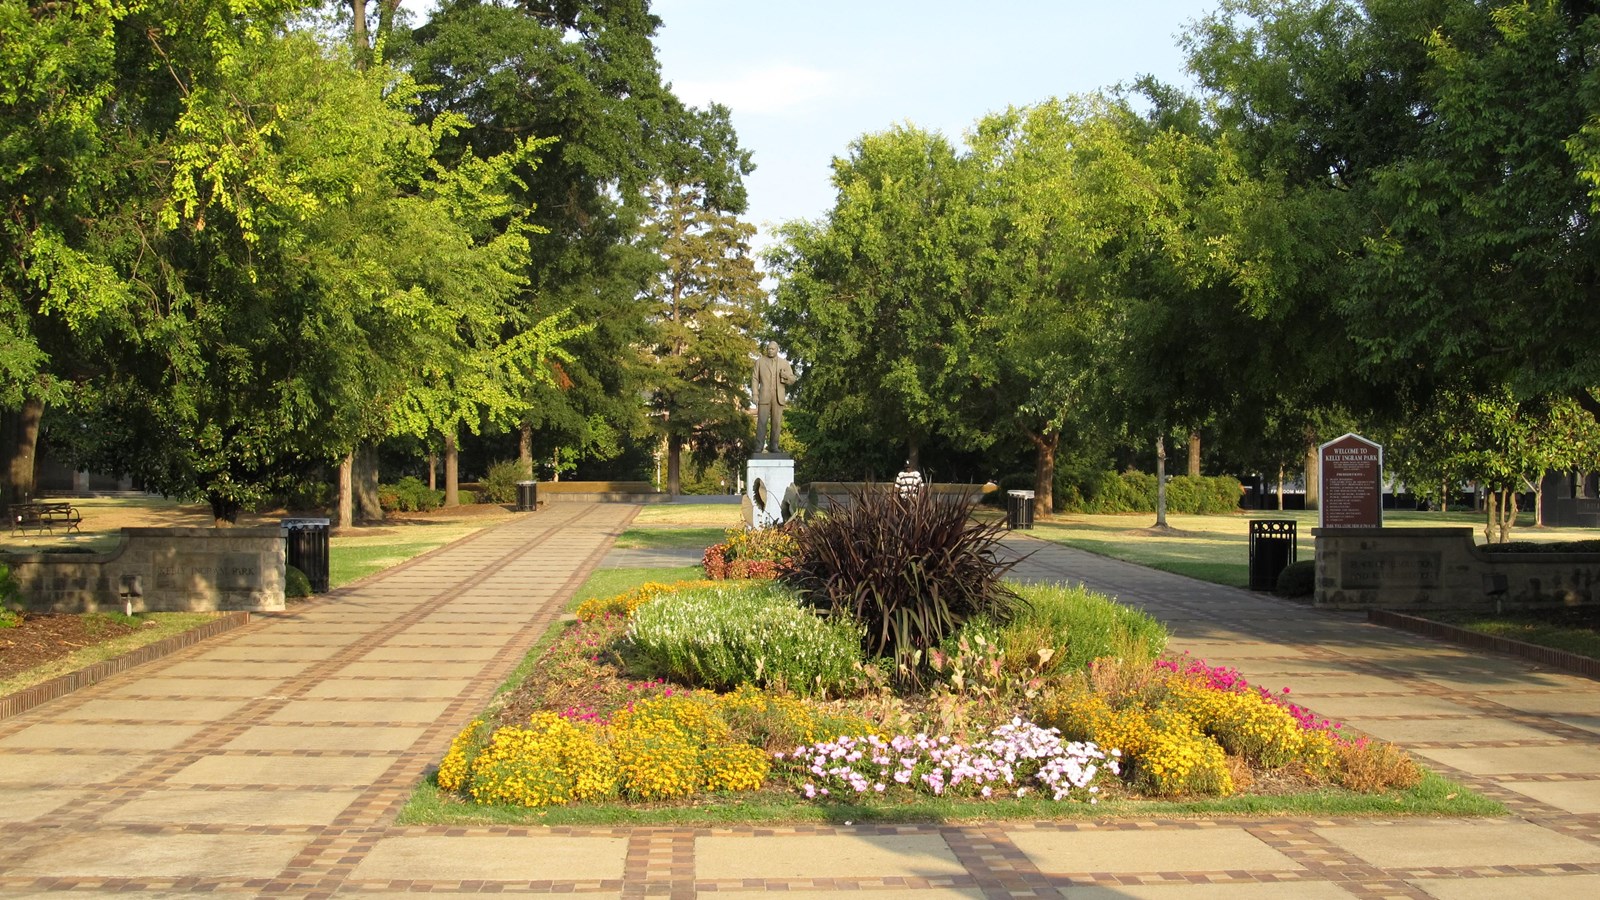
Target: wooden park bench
(44, 517)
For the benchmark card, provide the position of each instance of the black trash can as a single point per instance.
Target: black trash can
(1272, 549)
(306, 543)
(1019, 509)
(527, 496)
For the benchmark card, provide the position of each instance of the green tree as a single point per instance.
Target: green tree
(706, 301)
(877, 304)
(1451, 142)
(583, 72)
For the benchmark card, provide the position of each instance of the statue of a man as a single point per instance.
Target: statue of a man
(768, 389)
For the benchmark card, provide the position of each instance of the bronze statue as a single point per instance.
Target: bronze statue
(768, 389)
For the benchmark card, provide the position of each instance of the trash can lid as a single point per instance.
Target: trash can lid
(520, 483)
(303, 523)
(1026, 495)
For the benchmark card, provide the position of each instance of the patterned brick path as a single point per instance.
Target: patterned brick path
(270, 761)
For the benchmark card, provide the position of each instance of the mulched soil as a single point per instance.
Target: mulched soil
(42, 638)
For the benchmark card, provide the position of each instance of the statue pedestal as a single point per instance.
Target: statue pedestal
(767, 478)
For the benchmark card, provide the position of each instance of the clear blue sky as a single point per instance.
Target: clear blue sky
(806, 77)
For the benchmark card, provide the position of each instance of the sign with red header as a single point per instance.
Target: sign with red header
(1351, 478)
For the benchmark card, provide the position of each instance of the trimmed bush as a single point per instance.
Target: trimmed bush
(1298, 579)
(628, 602)
(409, 494)
(745, 633)
(750, 553)
(1135, 492)
(911, 570)
(295, 583)
(500, 485)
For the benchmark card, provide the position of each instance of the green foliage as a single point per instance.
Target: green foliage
(500, 484)
(1131, 492)
(1080, 626)
(1298, 579)
(746, 633)
(911, 570)
(750, 553)
(295, 583)
(410, 494)
(10, 599)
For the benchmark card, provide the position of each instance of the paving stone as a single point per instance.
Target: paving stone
(123, 855)
(351, 711)
(100, 736)
(1479, 728)
(1580, 797)
(1502, 887)
(826, 856)
(1485, 843)
(1233, 890)
(24, 804)
(62, 769)
(134, 686)
(1572, 758)
(351, 738)
(208, 668)
(391, 669)
(493, 858)
(1554, 703)
(1115, 851)
(160, 710)
(400, 688)
(202, 806)
(1341, 708)
(275, 653)
(329, 771)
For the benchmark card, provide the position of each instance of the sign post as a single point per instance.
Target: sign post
(1351, 475)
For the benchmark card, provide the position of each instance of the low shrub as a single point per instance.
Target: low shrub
(10, 599)
(1135, 492)
(409, 494)
(627, 602)
(745, 633)
(776, 722)
(1081, 626)
(552, 761)
(500, 484)
(1371, 767)
(911, 570)
(295, 583)
(1298, 579)
(750, 553)
(1586, 546)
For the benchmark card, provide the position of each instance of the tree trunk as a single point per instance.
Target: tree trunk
(1280, 489)
(1538, 500)
(1161, 481)
(674, 463)
(525, 448)
(1313, 477)
(914, 456)
(1194, 454)
(433, 471)
(452, 484)
(365, 485)
(1501, 504)
(20, 439)
(346, 516)
(1444, 498)
(1044, 472)
(224, 512)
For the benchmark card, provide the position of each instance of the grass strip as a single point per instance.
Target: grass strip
(155, 626)
(1572, 639)
(1434, 796)
(666, 537)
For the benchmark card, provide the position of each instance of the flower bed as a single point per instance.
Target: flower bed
(596, 721)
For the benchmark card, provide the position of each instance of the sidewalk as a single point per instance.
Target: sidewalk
(271, 761)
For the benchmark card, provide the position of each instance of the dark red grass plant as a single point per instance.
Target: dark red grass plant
(911, 569)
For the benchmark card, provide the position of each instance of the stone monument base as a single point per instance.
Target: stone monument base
(768, 477)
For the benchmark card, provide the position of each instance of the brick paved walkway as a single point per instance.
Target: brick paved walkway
(271, 761)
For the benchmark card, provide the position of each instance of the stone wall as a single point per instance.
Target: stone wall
(600, 492)
(160, 570)
(1442, 568)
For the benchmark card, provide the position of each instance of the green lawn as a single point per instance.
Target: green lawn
(1217, 548)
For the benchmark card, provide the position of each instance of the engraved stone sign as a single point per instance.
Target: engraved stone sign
(1351, 474)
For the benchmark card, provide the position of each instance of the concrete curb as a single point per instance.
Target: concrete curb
(1560, 659)
(56, 688)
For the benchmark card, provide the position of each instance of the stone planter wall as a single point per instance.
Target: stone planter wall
(160, 570)
(1441, 568)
